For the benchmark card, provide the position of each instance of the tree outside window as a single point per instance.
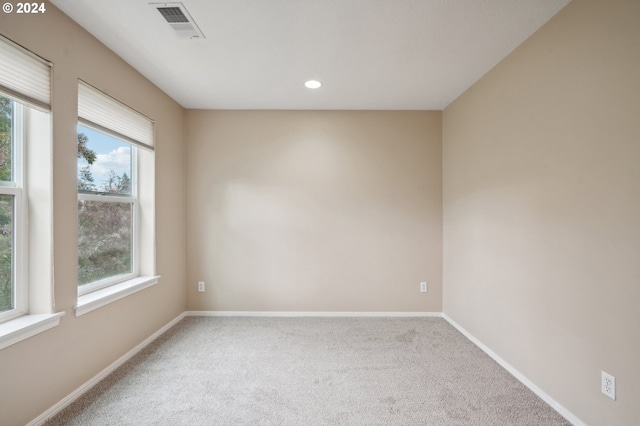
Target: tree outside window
(7, 284)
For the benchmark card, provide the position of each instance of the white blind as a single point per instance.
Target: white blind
(24, 76)
(99, 110)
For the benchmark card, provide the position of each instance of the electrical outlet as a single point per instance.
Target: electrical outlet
(201, 286)
(423, 287)
(608, 385)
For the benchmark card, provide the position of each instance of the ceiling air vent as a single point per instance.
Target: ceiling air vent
(179, 20)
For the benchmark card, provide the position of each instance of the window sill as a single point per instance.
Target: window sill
(21, 328)
(99, 298)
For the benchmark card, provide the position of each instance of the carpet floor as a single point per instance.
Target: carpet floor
(309, 371)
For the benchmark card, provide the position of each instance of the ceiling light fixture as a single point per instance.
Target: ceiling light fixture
(312, 84)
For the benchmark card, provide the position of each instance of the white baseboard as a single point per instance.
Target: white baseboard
(42, 418)
(515, 373)
(308, 314)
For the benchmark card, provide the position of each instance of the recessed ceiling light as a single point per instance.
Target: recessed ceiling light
(312, 84)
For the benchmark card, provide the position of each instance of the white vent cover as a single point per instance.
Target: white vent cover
(179, 19)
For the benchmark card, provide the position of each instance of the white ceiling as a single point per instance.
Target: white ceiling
(369, 54)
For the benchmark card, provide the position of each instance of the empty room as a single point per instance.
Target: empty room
(366, 212)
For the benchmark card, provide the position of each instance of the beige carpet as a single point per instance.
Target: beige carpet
(310, 371)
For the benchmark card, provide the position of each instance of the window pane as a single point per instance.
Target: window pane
(104, 240)
(104, 163)
(6, 253)
(6, 138)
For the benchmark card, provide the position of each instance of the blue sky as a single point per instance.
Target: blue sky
(112, 154)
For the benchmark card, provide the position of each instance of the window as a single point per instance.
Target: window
(107, 210)
(116, 247)
(12, 286)
(26, 196)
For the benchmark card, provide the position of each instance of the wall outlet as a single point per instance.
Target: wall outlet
(608, 385)
(201, 286)
(423, 287)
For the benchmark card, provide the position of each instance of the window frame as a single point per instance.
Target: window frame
(17, 188)
(132, 199)
(25, 78)
(100, 111)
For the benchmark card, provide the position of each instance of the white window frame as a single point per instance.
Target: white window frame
(17, 188)
(25, 78)
(135, 218)
(101, 112)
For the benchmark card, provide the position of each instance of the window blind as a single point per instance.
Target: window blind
(102, 112)
(24, 76)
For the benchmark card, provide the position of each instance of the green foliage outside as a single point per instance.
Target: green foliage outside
(6, 208)
(6, 113)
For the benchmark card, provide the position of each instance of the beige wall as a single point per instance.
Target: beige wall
(41, 370)
(314, 211)
(541, 164)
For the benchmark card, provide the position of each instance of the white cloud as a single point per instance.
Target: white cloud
(118, 160)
